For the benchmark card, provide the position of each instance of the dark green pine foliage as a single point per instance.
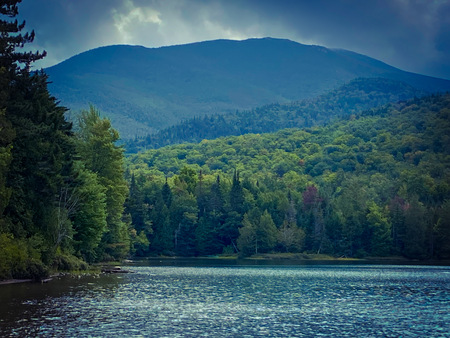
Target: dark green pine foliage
(184, 218)
(442, 232)
(41, 153)
(166, 193)
(236, 196)
(42, 148)
(210, 218)
(7, 135)
(162, 239)
(35, 159)
(138, 209)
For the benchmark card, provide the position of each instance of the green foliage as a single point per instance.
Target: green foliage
(96, 146)
(67, 262)
(352, 98)
(20, 258)
(6, 137)
(89, 220)
(55, 212)
(373, 184)
(247, 241)
(380, 230)
(442, 231)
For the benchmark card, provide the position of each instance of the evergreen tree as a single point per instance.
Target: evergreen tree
(236, 197)
(36, 150)
(290, 237)
(162, 240)
(216, 201)
(13, 62)
(6, 137)
(415, 230)
(442, 230)
(167, 194)
(138, 209)
(183, 218)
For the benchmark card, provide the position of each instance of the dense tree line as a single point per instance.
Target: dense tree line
(375, 184)
(352, 98)
(61, 191)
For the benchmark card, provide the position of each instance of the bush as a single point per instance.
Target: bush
(67, 262)
(34, 270)
(13, 257)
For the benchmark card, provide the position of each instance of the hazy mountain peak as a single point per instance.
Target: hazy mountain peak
(146, 89)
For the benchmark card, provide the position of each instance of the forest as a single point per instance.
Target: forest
(355, 181)
(374, 184)
(62, 189)
(351, 98)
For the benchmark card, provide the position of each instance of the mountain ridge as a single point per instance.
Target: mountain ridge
(353, 97)
(143, 90)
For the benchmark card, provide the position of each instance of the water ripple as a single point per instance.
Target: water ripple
(388, 301)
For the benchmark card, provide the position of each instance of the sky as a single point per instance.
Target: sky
(413, 35)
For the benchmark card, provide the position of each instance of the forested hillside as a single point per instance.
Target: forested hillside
(62, 193)
(143, 90)
(375, 184)
(351, 98)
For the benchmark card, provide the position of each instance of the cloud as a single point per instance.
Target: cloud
(409, 34)
(134, 19)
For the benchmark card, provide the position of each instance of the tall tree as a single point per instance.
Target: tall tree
(380, 228)
(258, 234)
(89, 219)
(443, 231)
(137, 208)
(36, 149)
(102, 156)
(237, 195)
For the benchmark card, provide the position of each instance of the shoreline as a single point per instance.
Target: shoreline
(300, 257)
(15, 281)
(278, 257)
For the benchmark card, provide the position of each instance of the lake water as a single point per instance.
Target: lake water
(182, 300)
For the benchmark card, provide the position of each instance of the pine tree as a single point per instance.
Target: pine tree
(237, 195)
(36, 149)
(167, 194)
(13, 62)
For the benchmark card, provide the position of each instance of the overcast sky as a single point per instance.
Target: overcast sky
(413, 35)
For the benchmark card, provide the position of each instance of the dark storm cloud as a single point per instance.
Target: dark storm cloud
(411, 35)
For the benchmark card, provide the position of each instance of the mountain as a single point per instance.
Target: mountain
(143, 90)
(352, 98)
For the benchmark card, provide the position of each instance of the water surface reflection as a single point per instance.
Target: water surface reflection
(236, 301)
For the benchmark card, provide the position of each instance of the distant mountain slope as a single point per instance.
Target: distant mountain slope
(143, 90)
(356, 96)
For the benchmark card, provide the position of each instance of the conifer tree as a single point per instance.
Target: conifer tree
(36, 149)
(237, 195)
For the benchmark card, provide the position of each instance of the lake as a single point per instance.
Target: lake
(194, 298)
